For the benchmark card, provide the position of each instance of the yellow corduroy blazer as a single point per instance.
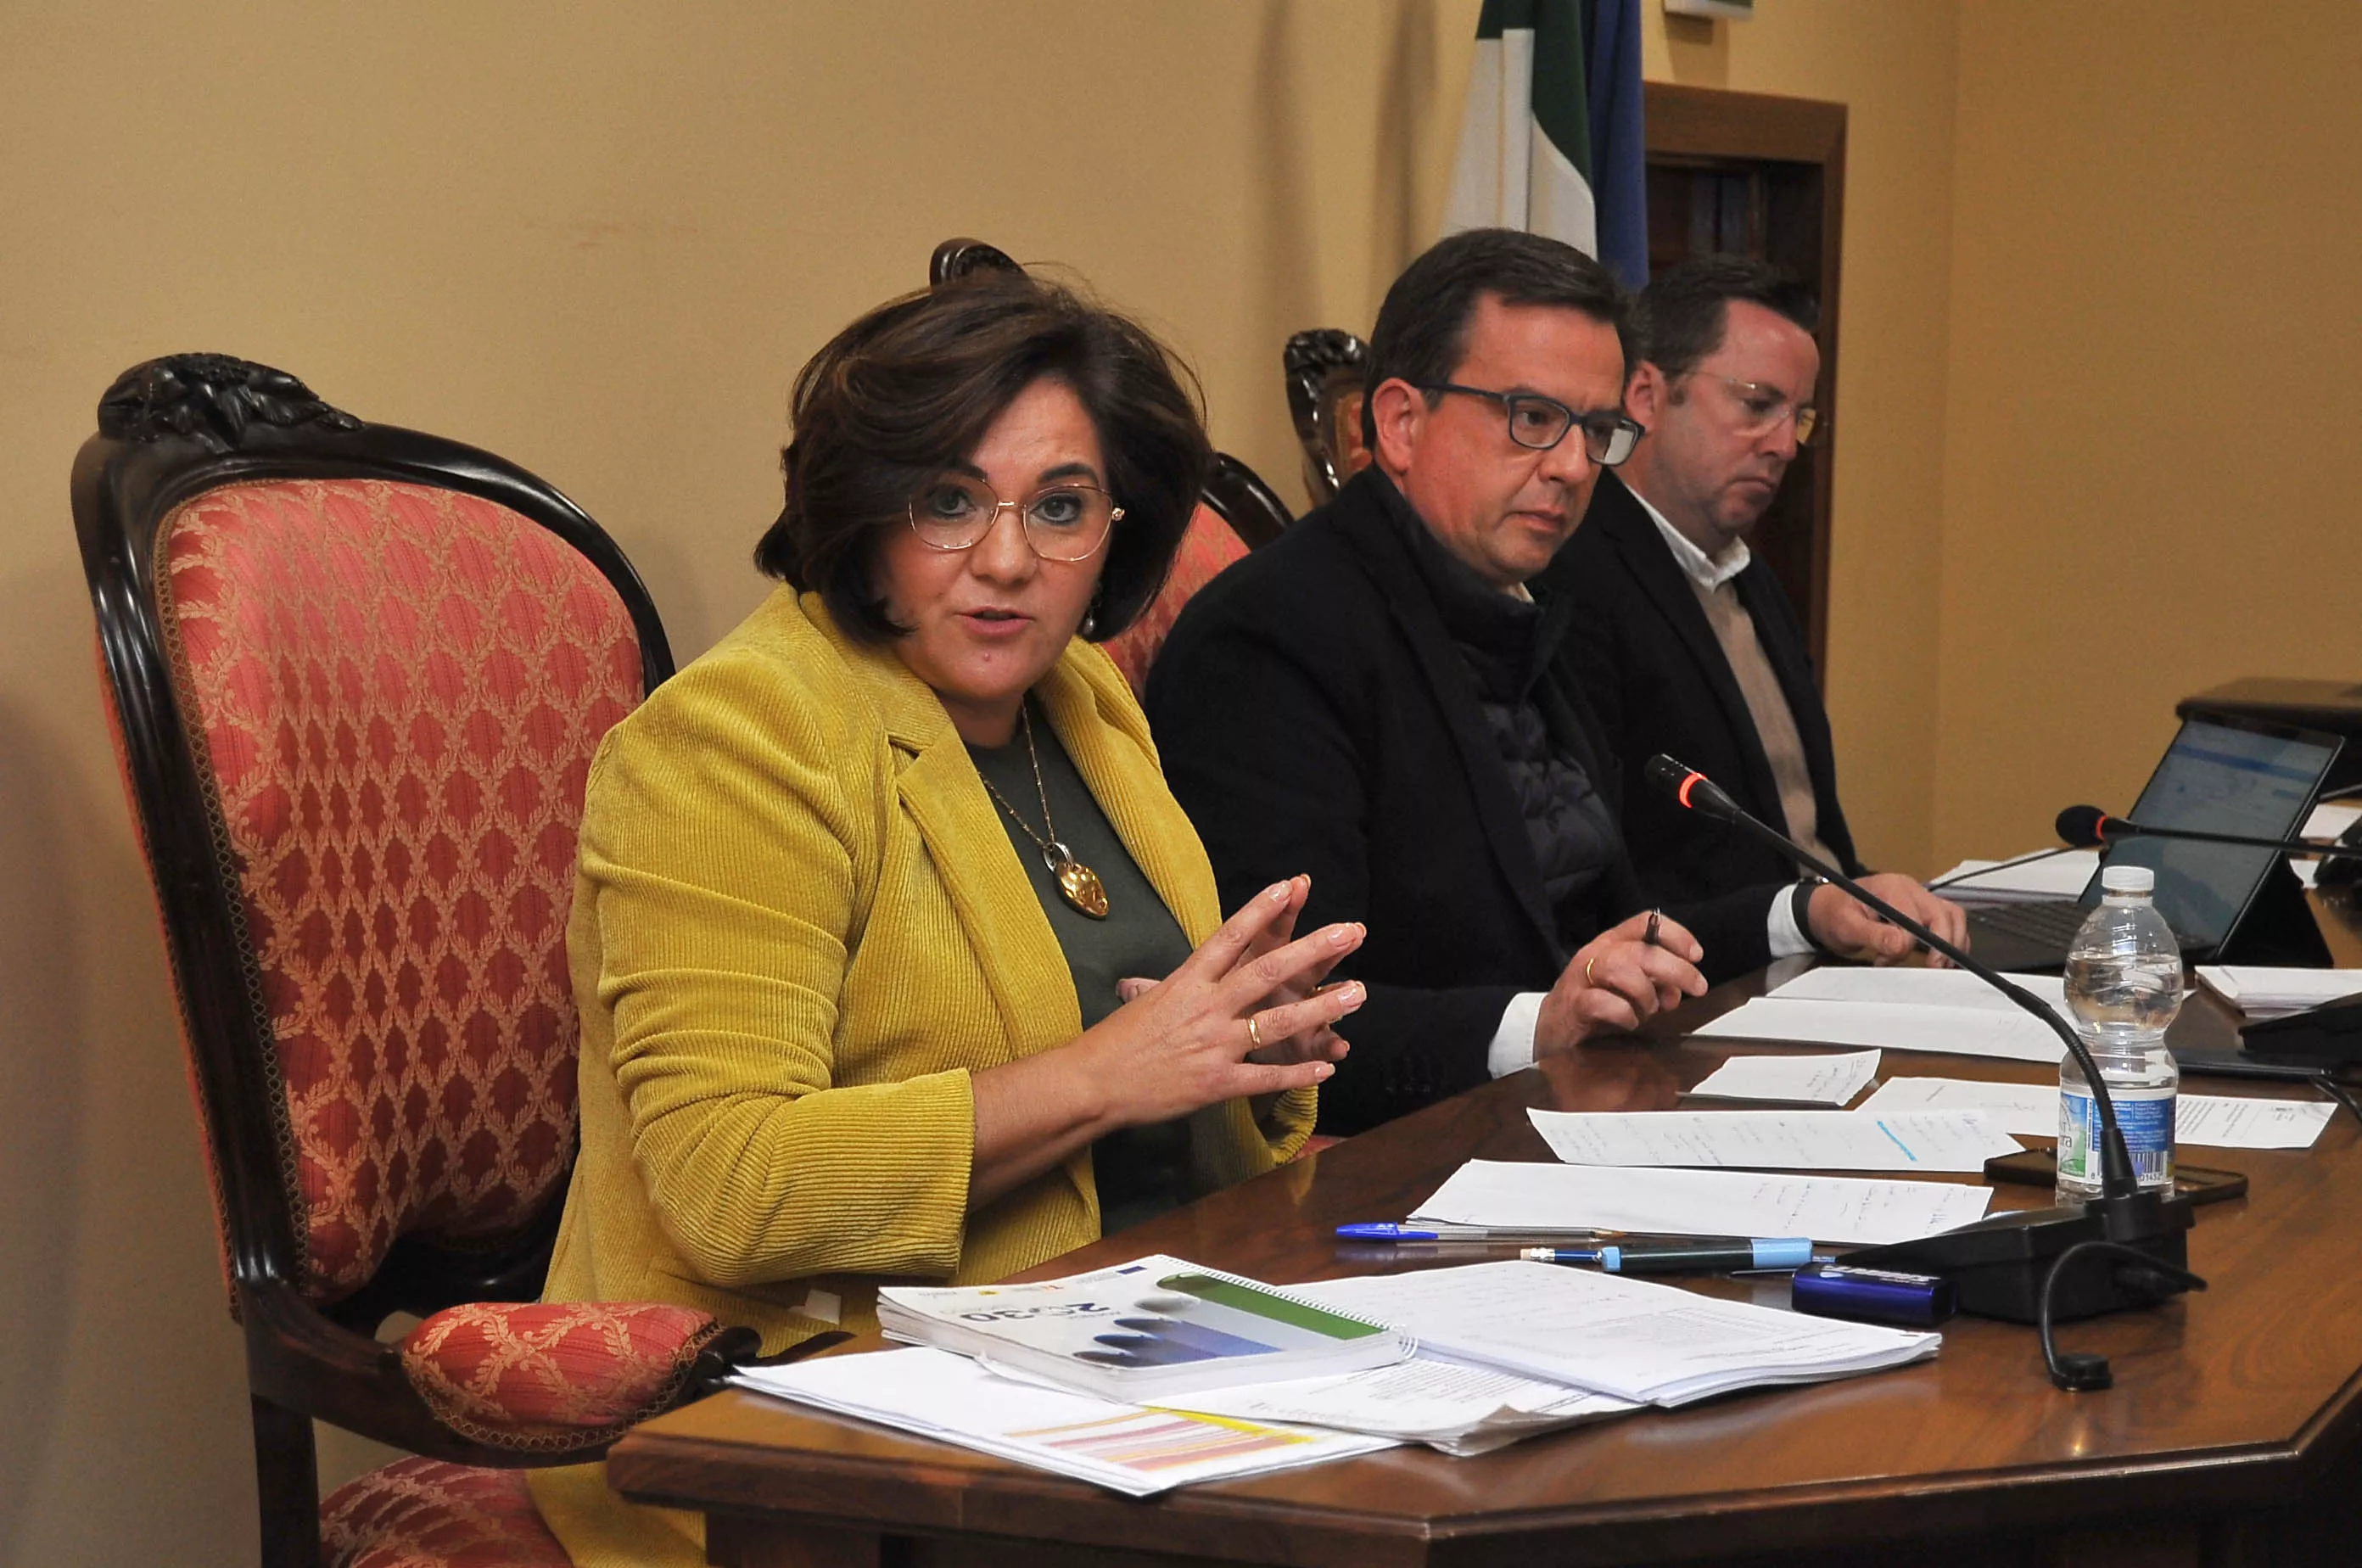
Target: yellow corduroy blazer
(798, 927)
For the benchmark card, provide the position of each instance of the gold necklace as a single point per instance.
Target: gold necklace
(1077, 883)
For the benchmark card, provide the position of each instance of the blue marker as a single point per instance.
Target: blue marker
(1389, 1231)
(1704, 1256)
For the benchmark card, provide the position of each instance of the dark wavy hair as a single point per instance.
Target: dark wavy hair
(911, 388)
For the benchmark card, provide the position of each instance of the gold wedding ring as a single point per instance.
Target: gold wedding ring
(1253, 1034)
(1587, 963)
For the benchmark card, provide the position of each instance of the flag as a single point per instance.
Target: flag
(1552, 140)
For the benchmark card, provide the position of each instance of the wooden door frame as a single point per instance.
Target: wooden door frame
(1707, 122)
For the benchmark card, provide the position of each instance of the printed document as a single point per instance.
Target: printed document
(2260, 989)
(1631, 1338)
(1845, 1210)
(1455, 1407)
(1126, 1448)
(2008, 1035)
(1823, 1080)
(1958, 1140)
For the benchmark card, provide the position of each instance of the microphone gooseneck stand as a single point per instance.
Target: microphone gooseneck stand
(2013, 1265)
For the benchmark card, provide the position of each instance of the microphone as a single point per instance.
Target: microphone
(2012, 1265)
(2088, 827)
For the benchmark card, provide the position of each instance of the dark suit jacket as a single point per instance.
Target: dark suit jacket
(1641, 652)
(1313, 715)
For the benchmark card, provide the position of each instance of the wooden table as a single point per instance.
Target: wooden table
(2230, 1436)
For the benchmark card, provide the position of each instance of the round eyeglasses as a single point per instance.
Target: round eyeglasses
(1063, 521)
(1541, 423)
(1762, 407)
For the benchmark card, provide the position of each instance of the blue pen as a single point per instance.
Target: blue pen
(1414, 1230)
(1703, 1255)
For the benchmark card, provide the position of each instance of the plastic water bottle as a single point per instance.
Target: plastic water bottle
(2124, 986)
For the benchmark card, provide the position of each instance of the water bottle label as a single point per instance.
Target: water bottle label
(2148, 1124)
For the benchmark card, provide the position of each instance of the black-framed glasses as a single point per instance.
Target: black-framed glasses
(1541, 423)
(1763, 406)
(1063, 521)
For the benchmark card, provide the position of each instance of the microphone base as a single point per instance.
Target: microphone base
(1998, 1264)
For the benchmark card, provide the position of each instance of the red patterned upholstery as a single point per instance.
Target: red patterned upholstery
(1208, 546)
(556, 1376)
(398, 690)
(425, 1513)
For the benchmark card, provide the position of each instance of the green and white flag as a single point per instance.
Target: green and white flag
(1524, 138)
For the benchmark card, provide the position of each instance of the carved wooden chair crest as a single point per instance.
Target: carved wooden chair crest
(1236, 511)
(358, 674)
(1326, 375)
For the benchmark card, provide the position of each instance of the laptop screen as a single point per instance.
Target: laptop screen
(2219, 778)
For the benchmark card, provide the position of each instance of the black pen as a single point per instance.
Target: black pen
(1656, 918)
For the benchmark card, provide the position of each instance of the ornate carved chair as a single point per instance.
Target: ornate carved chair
(1326, 384)
(1236, 511)
(357, 675)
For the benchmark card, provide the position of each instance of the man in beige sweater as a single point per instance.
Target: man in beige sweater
(1681, 639)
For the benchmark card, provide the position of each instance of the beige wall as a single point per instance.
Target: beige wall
(600, 239)
(2153, 391)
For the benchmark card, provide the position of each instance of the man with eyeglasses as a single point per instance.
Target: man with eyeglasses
(1372, 700)
(1679, 638)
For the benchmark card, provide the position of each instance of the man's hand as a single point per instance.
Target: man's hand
(1617, 980)
(1851, 931)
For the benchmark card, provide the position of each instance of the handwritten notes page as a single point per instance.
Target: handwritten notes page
(1950, 1141)
(1846, 1211)
(1823, 1080)
(2218, 1121)
(1630, 1338)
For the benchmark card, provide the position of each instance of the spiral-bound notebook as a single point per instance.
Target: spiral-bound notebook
(1151, 1327)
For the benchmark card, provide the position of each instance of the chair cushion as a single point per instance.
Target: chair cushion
(395, 691)
(1208, 546)
(553, 1377)
(428, 1513)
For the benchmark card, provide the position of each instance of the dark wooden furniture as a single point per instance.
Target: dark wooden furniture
(1751, 174)
(2311, 704)
(1327, 374)
(1233, 491)
(171, 434)
(2229, 1438)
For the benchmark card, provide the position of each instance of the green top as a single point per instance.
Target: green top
(1141, 1171)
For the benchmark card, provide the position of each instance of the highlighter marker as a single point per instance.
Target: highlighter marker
(1703, 1256)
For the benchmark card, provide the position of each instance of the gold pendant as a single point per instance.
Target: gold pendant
(1077, 883)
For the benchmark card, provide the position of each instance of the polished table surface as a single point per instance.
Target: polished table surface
(2231, 1430)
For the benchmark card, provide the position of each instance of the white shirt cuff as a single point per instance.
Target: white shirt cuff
(1512, 1044)
(1780, 926)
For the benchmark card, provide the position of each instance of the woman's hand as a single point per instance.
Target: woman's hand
(1319, 1044)
(1617, 980)
(1243, 1016)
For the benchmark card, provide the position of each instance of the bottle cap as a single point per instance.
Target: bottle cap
(2127, 879)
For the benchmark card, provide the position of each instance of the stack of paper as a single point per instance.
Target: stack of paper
(1844, 1210)
(1919, 987)
(1452, 1406)
(2028, 878)
(1871, 1138)
(2261, 991)
(1630, 1338)
(2221, 1122)
(1147, 1329)
(1132, 1450)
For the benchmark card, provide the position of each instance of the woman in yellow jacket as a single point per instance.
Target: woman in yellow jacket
(862, 890)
